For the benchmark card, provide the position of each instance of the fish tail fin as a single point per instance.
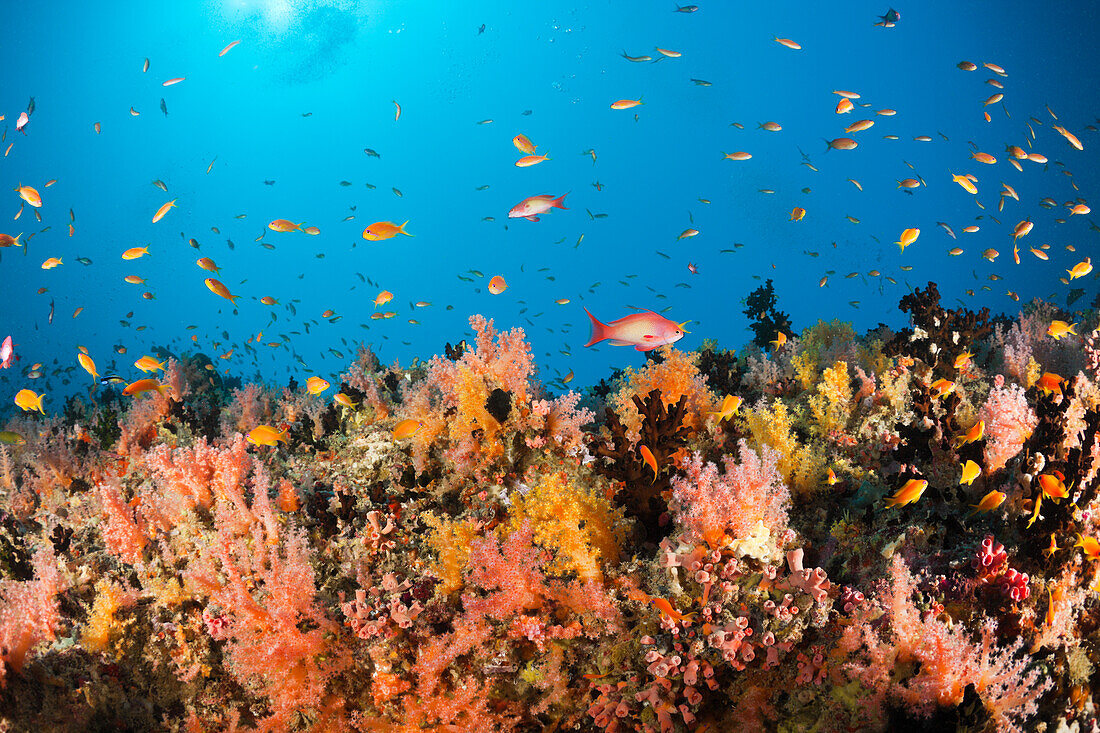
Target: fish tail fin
(559, 201)
(600, 331)
(402, 229)
(829, 146)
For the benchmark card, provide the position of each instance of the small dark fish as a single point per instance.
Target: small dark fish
(482, 188)
(526, 113)
(890, 19)
(160, 184)
(112, 379)
(686, 8)
(370, 186)
(372, 153)
(345, 183)
(30, 107)
(269, 183)
(702, 82)
(163, 107)
(481, 29)
(51, 311)
(307, 114)
(397, 193)
(84, 261)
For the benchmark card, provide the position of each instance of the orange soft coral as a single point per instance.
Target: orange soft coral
(675, 375)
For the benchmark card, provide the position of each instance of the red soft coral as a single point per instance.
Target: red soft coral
(29, 612)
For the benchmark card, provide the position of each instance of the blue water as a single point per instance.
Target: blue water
(343, 63)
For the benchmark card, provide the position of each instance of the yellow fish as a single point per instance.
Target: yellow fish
(29, 401)
(729, 406)
(966, 182)
(134, 252)
(942, 387)
(974, 434)
(780, 339)
(316, 385)
(343, 399)
(1080, 269)
(989, 502)
(266, 435)
(1058, 329)
(1089, 545)
(797, 213)
(1053, 485)
(88, 364)
(909, 493)
(52, 263)
(907, 237)
(971, 471)
(149, 364)
(963, 359)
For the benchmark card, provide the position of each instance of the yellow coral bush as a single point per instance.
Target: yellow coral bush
(451, 541)
(801, 466)
(575, 522)
(676, 375)
(831, 407)
(109, 599)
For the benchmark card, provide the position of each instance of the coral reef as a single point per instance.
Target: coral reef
(454, 547)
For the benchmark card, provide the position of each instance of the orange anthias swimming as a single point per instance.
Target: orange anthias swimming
(643, 331)
(532, 206)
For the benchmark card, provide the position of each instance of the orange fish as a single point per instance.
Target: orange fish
(382, 298)
(1053, 485)
(173, 81)
(88, 364)
(730, 403)
(970, 471)
(650, 460)
(788, 43)
(844, 106)
(228, 48)
(316, 385)
(740, 155)
(135, 252)
(532, 206)
(284, 225)
(942, 388)
(163, 210)
(529, 160)
(989, 502)
(497, 285)
(207, 264)
(266, 435)
(143, 385)
(523, 144)
(797, 213)
(380, 230)
(407, 429)
(626, 103)
(1049, 383)
(909, 493)
(30, 195)
(218, 288)
(666, 608)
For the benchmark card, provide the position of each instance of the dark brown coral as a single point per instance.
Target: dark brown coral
(944, 334)
(663, 432)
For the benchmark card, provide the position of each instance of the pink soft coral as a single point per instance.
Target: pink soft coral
(1009, 421)
(708, 503)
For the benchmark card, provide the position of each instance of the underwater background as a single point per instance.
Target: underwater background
(304, 425)
(550, 73)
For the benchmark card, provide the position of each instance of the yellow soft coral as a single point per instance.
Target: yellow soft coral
(110, 598)
(831, 407)
(802, 468)
(675, 375)
(451, 541)
(574, 521)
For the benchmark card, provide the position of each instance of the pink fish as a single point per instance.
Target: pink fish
(643, 331)
(22, 122)
(7, 352)
(532, 206)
